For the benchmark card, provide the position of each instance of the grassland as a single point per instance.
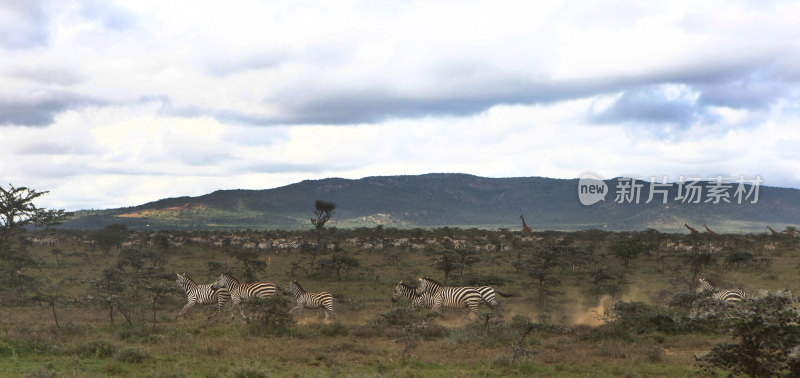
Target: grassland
(574, 334)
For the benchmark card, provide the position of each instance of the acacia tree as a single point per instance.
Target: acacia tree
(627, 250)
(111, 236)
(765, 336)
(447, 262)
(323, 211)
(339, 263)
(251, 260)
(540, 268)
(17, 211)
(466, 257)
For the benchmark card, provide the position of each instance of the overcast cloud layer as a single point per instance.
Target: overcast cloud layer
(109, 104)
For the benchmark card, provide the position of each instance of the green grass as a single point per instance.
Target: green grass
(87, 344)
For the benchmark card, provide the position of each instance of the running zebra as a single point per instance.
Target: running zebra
(410, 292)
(310, 300)
(244, 291)
(487, 295)
(452, 297)
(735, 295)
(201, 294)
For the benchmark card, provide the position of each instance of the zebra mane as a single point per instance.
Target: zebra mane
(298, 285)
(230, 276)
(706, 280)
(431, 280)
(407, 286)
(186, 277)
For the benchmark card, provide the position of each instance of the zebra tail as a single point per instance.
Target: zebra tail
(504, 294)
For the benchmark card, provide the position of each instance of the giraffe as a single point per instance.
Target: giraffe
(773, 231)
(525, 229)
(709, 230)
(692, 230)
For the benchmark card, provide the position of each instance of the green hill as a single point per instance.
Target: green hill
(435, 200)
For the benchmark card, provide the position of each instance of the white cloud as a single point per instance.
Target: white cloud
(114, 104)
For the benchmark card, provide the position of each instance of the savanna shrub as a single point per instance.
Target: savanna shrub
(766, 336)
(399, 316)
(248, 372)
(6, 348)
(489, 329)
(334, 329)
(639, 317)
(687, 299)
(42, 372)
(95, 348)
(131, 355)
(272, 318)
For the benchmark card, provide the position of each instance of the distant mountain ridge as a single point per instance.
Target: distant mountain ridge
(449, 199)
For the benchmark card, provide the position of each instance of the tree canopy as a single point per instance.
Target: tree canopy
(18, 211)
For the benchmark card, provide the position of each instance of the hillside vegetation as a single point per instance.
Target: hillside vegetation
(587, 303)
(455, 200)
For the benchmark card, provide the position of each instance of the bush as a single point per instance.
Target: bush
(125, 332)
(363, 331)
(131, 355)
(474, 279)
(687, 299)
(95, 348)
(334, 330)
(639, 317)
(249, 372)
(489, 330)
(399, 316)
(737, 258)
(41, 372)
(6, 348)
(272, 317)
(766, 336)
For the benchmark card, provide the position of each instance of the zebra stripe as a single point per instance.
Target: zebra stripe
(201, 294)
(452, 297)
(310, 300)
(734, 295)
(417, 300)
(244, 291)
(487, 295)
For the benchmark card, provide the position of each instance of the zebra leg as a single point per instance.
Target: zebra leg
(437, 306)
(219, 311)
(185, 308)
(473, 309)
(329, 309)
(241, 311)
(299, 309)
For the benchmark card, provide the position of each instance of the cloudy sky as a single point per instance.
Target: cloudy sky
(109, 104)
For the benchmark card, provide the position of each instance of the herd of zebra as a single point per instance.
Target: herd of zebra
(227, 287)
(429, 293)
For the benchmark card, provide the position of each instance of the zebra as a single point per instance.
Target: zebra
(310, 300)
(410, 292)
(452, 297)
(244, 291)
(487, 295)
(735, 295)
(201, 294)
